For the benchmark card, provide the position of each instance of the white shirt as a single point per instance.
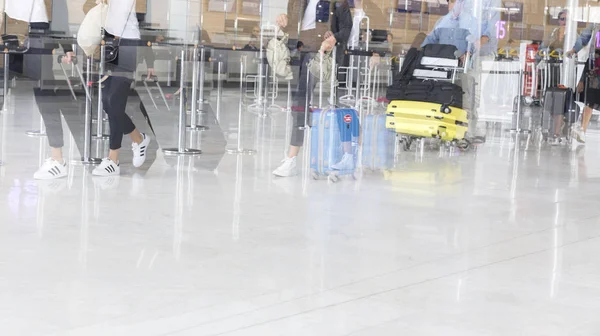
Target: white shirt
(121, 19)
(27, 10)
(359, 15)
(310, 16)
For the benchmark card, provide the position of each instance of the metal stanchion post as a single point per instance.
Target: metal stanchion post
(100, 113)
(202, 76)
(87, 133)
(194, 126)
(239, 149)
(521, 84)
(181, 146)
(5, 91)
(219, 87)
(288, 119)
(169, 68)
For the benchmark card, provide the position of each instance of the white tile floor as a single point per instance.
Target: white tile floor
(490, 242)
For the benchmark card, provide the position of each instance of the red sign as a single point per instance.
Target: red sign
(347, 118)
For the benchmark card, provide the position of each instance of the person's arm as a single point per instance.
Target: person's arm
(488, 27)
(432, 38)
(583, 39)
(343, 17)
(288, 23)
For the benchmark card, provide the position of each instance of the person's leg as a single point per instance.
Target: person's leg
(301, 100)
(115, 92)
(558, 122)
(585, 119)
(49, 103)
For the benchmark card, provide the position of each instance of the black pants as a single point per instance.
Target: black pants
(302, 96)
(115, 92)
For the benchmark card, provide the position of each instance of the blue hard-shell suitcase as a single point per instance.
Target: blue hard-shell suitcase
(379, 143)
(334, 132)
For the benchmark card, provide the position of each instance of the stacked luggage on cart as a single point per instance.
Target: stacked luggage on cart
(424, 100)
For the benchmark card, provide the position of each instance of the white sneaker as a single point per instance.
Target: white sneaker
(347, 163)
(579, 135)
(139, 151)
(107, 168)
(51, 169)
(555, 141)
(287, 168)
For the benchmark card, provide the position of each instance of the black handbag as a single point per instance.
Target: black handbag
(111, 49)
(111, 43)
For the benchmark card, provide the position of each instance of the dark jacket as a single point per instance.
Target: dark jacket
(341, 27)
(342, 20)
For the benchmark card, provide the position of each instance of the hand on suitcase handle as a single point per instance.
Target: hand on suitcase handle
(151, 78)
(60, 59)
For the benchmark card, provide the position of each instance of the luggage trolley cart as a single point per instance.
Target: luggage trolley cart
(418, 120)
(266, 87)
(530, 83)
(356, 71)
(556, 96)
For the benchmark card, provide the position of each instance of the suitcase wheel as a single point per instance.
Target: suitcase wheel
(333, 177)
(314, 174)
(463, 144)
(406, 143)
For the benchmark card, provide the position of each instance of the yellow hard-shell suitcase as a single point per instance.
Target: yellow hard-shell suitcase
(427, 120)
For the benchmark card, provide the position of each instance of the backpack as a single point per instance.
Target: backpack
(278, 56)
(89, 34)
(412, 60)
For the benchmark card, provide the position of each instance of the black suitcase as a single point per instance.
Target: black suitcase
(560, 101)
(441, 51)
(427, 91)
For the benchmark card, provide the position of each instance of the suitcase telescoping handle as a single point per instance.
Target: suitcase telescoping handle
(323, 115)
(332, 79)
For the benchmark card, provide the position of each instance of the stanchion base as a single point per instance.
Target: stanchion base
(89, 161)
(35, 133)
(241, 151)
(514, 131)
(176, 151)
(197, 128)
(101, 137)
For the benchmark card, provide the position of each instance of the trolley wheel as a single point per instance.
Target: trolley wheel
(528, 101)
(333, 177)
(406, 143)
(463, 144)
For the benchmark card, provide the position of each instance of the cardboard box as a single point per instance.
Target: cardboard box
(141, 6)
(534, 19)
(49, 9)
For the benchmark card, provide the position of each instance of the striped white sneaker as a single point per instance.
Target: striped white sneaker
(107, 168)
(51, 169)
(139, 151)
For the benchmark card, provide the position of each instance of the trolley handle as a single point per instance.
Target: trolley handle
(555, 54)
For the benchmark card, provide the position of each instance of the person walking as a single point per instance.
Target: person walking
(316, 36)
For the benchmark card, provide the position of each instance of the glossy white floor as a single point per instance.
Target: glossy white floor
(491, 242)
